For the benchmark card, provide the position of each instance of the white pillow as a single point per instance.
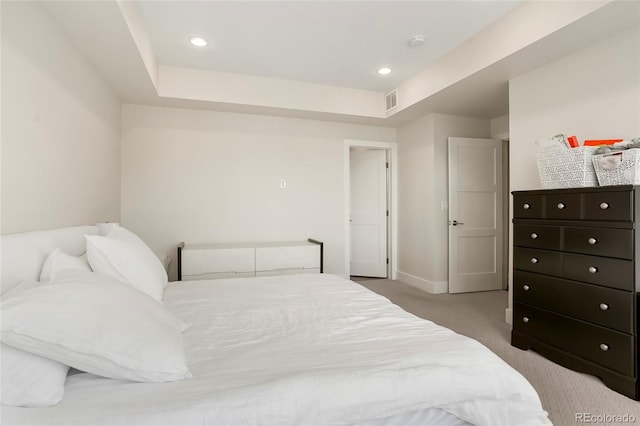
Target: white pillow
(124, 234)
(30, 380)
(96, 324)
(123, 256)
(59, 261)
(23, 285)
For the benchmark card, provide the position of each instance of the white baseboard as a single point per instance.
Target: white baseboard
(432, 287)
(508, 315)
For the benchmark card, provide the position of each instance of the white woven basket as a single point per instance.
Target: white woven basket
(570, 168)
(618, 168)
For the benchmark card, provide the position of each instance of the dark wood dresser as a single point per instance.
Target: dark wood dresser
(575, 280)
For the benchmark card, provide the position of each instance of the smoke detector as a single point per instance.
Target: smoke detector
(416, 40)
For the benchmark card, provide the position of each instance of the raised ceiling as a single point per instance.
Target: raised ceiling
(336, 43)
(317, 59)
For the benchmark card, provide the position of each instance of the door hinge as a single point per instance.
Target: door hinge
(387, 260)
(387, 213)
(387, 164)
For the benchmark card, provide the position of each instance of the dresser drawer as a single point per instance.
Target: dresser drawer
(288, 258)
(610, 205)
(599, 241)
(540, 261)
(604, 306)
(562, 206)
(609, 348)
(615, 273)
(528, 206)
(205, 263)
(537, 236)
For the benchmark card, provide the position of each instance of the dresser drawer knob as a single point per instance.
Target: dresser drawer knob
(561, 206)
(604, 206)
(526, 206)
(604, 347)
(593, 269)
(525, 320)
(604, 307)
(526, 287)
(534, 260)
(592, 241)
(534, 236)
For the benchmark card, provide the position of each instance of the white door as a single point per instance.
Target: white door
(368, 188)
(475, 215)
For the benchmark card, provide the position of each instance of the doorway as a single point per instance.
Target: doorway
(370, 206)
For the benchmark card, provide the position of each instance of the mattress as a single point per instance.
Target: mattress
(304, 350)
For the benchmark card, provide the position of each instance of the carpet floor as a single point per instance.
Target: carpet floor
(565, 394)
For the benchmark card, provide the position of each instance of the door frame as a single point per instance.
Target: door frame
(392, 229)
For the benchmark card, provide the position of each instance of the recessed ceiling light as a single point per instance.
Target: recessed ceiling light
(384, 71)
(198, 41)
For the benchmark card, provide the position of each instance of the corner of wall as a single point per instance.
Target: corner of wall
(499, 127)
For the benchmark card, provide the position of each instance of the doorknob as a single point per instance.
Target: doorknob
(456, 223)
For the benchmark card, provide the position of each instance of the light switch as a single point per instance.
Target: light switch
(283, 183)
(444, 206)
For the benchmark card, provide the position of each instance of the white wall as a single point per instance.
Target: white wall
(204, 176)
(60, 129)
(594, 94)
(423, 245)
(415, 191)
(265, 92)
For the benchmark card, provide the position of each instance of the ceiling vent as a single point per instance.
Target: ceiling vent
(392, 99)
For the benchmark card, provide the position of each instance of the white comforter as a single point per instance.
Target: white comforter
(302, 350)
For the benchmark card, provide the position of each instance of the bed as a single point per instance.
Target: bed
(311, 349)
